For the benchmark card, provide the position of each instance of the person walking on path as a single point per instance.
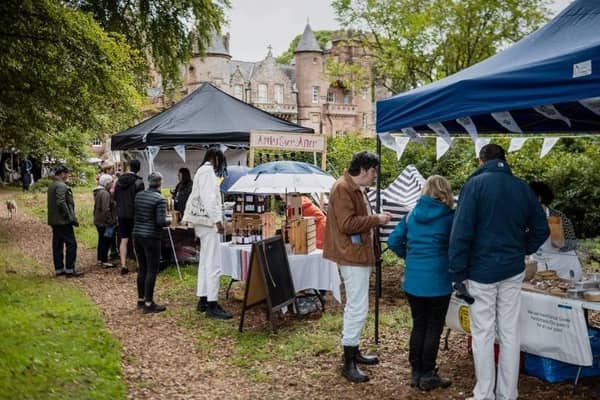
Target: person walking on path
(128, 185)
(421, 238)
(62, 219)
(104, 218)
(351, 242)
(150, 216)
(497, 222)
(204, 211)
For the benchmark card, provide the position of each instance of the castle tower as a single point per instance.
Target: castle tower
(310, 85)
(213, 67)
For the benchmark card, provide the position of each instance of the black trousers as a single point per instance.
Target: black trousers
(103, 244)
(429, 315)
(63, 235)
(148, 256)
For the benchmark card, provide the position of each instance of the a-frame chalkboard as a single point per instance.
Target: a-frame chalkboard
(269, 278)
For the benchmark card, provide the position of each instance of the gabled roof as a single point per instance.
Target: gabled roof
(308, 42)
(207, 116)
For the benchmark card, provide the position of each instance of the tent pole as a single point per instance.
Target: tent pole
(378, 243)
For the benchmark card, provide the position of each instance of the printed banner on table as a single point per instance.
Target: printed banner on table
(549, 326)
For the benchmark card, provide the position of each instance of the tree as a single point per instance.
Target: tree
(322, 38)
(63, 80)
(415, 42)
(165, 31)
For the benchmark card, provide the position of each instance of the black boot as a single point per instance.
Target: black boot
(214, 310)
(201, 307)
(350, 371)
(367, 360)
(431, 380)
(415, 375)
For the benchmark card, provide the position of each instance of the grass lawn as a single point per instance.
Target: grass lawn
(54, 344)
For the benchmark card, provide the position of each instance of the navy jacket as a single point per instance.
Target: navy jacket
(498, 221)
(422, 239)
(150, 214)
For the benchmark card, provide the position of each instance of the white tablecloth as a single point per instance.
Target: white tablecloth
(309, 271)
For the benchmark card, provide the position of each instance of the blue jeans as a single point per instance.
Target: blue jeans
(356, 282)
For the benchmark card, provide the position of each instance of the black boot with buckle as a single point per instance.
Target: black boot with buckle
(350, 371)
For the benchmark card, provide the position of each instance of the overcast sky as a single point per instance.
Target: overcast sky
(256, 24)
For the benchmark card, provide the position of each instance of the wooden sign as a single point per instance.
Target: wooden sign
(269, 279)
(288, 141)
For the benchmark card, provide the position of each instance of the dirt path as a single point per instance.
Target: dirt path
(162, 360)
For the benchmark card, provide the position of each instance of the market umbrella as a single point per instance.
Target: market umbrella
(234, 172)
(279, 177)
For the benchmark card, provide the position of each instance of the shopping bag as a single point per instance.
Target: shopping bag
(557, 233)
(109, 231)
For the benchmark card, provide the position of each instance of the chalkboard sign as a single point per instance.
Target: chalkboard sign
(269, 278)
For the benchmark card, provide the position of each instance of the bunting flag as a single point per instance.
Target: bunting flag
(398, 144)
(516, 144)
(479, 143)
(592, 104)
(505, 119)
(441, 147)
(441, 131)
(413, 135)
(469, 126)
(116, 156)
(180, 150)
(549, 111)
(548, 145)
(152, 152)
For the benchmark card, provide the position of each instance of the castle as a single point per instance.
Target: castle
(300, 92)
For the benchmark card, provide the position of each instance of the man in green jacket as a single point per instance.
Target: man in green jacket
(61, 217)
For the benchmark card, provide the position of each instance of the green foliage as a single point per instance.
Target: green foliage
(63, 79)
(322, 37)
(415, 42)
(166, 31)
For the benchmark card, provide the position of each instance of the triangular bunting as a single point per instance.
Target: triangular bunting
(592, 104)
(180, 150)
(152, 152)
(401, 143)
(549, 111)
(548, 145)
(441, 147)
(413, 134)
(516, 144)
(505, 119)
(479, 143)
(469, 125)
(441, 131)
(398, 144)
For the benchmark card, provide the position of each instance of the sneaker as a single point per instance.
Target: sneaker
(431, 380)
(153, 308)
(74, 274)
(140, 304)
(98, 263)
(108, 265)
(124, 271)
(217, 312)
(60, 272)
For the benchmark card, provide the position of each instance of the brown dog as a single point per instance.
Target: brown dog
(11, 206)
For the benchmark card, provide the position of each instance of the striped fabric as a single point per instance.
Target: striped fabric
(399, 197)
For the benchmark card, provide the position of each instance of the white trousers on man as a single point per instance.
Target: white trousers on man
(209, 268)
(496, 311)
(356, 283)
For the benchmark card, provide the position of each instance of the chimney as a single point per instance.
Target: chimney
(226, 41)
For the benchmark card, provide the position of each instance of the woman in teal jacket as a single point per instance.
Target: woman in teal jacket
(421, 238)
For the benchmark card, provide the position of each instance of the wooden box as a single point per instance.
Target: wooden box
(294, 207)
(303, 235)
(264, 222)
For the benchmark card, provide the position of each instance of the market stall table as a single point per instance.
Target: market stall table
(309, 271)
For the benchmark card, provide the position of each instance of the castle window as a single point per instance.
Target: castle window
(365, 92)
(331, 96)
(315, 94)
(238, 91)
(96, 142)
(347, 99)
(279, 94)
(262, 93)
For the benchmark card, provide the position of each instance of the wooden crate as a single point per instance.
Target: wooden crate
(303, 235)
(294, 207)
(264, 222)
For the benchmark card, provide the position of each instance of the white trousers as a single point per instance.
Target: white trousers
(496, 311)
(209, 268)
(356, 282)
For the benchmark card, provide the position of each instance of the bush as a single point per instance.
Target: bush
(41, 185)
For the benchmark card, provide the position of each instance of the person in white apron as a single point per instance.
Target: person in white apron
(558, 251)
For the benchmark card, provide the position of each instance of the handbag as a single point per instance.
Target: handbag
(557, 232)
(109, 231)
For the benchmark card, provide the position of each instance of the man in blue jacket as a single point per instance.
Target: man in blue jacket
(498, 221)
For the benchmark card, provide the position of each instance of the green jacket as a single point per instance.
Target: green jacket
(61, 207)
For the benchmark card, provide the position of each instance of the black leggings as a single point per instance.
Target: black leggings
(148, 256)
(429, 315)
